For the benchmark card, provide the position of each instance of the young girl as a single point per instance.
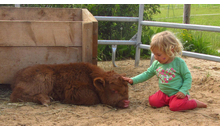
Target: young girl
(174, 76)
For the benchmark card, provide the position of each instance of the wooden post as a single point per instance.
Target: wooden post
(186, 13)
(88, 17)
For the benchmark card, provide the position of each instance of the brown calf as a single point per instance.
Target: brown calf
(74, 83)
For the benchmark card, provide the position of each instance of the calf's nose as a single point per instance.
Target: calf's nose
(126, 103)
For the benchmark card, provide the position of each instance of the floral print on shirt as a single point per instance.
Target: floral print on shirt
(165, 75)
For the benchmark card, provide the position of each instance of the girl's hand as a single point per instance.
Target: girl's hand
(180, 95)
(129, 80)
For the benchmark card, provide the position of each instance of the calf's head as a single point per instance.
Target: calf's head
(113, 89)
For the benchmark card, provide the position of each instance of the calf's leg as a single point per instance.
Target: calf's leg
(43, 99)
(18, 95)
(39, 98)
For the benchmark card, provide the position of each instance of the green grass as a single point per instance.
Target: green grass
(198, 15)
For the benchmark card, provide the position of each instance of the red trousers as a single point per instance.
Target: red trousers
(159, 99)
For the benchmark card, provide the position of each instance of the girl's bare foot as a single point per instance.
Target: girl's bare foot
(200, 104)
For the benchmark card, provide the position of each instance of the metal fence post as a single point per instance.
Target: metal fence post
(114, 48)
(17, 5)
(137, 54)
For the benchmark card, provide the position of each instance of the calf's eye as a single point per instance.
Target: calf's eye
(114, 91)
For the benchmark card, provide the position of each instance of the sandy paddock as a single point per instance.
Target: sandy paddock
(206, 88)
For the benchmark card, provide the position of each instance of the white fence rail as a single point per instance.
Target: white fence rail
(190, 54)
(182, 26)
(117, 19)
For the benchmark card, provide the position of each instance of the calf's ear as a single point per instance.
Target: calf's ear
(123, 75)
(99, 83)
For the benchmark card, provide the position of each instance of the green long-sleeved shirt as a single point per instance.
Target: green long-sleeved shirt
(173, 77)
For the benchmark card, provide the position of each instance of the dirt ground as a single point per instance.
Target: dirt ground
(206, 88)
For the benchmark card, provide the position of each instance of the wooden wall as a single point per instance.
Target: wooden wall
(31, 36)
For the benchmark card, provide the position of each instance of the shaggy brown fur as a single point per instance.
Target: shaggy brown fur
(75, 83)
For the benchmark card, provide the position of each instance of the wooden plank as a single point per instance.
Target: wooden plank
(21, 33)
(87, 16)
(40, 14)
(13, 59)
(95, 43)
(87, 41)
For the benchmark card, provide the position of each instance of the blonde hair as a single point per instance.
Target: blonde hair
(167, 42)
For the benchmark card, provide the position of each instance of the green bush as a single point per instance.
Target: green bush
(196, 43)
